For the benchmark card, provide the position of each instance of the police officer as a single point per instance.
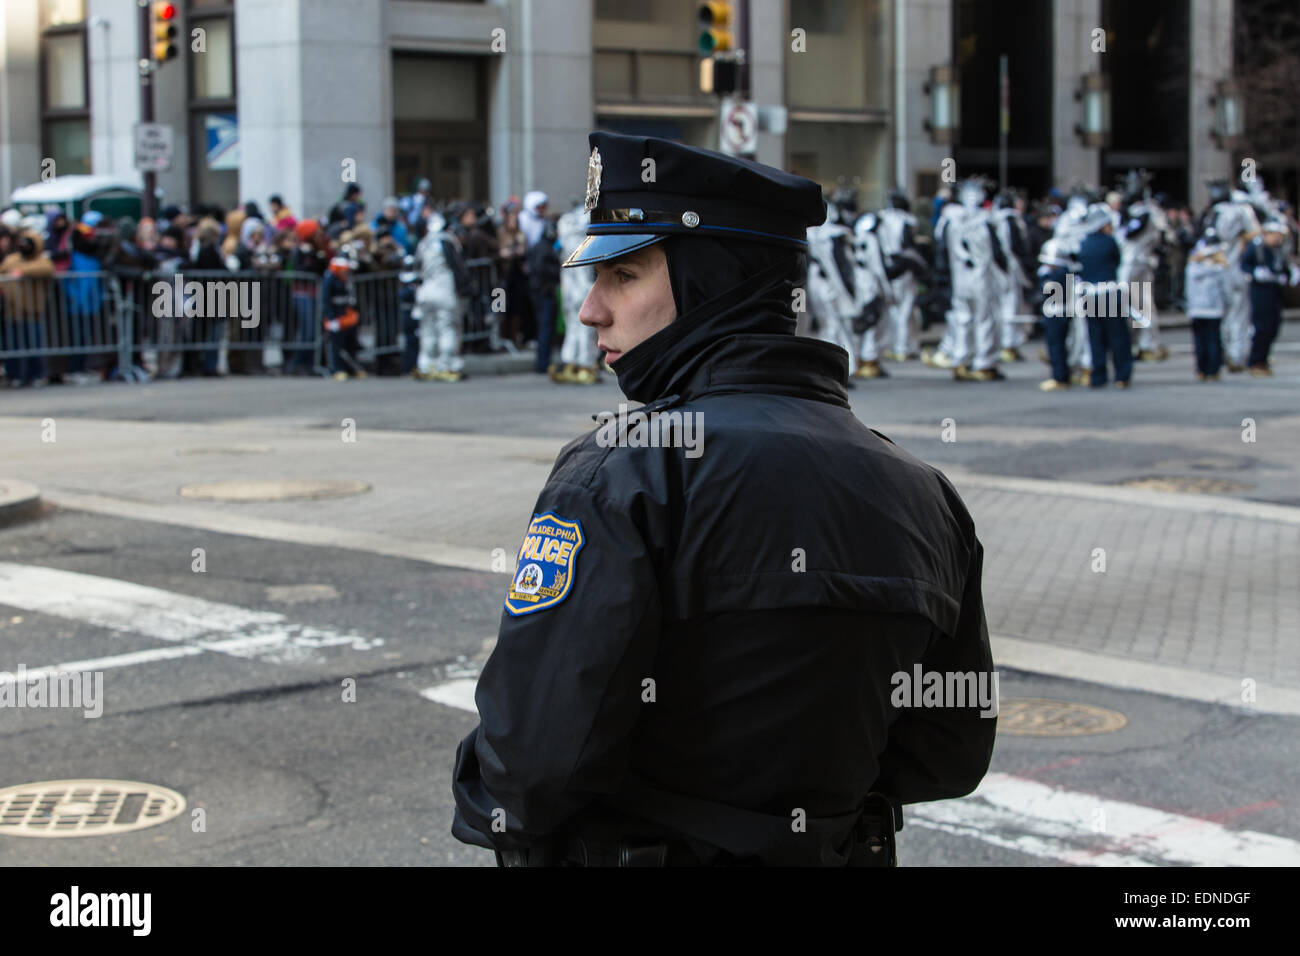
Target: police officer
(700, 653)
(1265, 262)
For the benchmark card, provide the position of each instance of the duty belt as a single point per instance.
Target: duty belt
(873, 844)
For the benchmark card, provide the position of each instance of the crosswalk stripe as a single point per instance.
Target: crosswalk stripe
(1052, 823)
(196, 625)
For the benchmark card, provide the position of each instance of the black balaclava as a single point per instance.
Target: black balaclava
(721, 288)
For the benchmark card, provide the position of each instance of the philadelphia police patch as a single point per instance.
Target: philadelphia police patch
(547, 563)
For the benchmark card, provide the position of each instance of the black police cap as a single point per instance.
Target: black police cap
(688, 191)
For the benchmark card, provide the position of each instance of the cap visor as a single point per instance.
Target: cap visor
(605, 247)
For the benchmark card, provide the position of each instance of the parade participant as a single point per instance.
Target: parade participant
(1265, 262)
(830, 297)
(896, 231)
(1143, 230)
(440, 303)
(1069, 235)
(1206, 291)
(1009, 280)
(700, 640)
(972, 250)
(1055, 267)
(872, 295)
(579, 355)
(1235, 222)
(1099, 299)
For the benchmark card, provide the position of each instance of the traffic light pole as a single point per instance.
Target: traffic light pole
(742, 30)
(146, 66)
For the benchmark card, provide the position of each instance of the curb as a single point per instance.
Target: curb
(18, 500)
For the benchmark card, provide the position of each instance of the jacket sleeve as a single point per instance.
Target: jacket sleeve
(562, 690)
(940, 753)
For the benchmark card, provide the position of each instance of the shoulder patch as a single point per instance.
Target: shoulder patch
(548, 561)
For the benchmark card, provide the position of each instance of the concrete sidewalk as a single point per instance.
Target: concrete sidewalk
(1197, 583)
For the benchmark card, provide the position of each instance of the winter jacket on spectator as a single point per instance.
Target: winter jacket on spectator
(543, 262)
(25, 297)
(1205, 284)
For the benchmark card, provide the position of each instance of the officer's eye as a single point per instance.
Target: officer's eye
(623, 276)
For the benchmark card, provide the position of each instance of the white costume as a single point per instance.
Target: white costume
(1010, 283)
(832, 305)
(870, 282)
(1234, 219)
(897, 226)
(579, 340)
(437, 306)
(964, 230)
(1139, 237)
(1068, 235)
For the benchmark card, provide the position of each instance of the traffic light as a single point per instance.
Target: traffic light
(716, 19)
(164, 31)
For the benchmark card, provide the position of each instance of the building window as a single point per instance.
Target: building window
(646, 50)
(61, 13)
(846, 60)
(64, 93)
(214, 116)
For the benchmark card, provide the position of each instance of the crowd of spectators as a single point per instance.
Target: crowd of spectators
(54, 289)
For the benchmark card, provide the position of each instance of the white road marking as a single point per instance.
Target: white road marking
(1057, 824)
(196, 624)
(454, 693)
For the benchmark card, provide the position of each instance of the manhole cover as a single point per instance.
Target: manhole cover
(1187, 485)
(1039, 717)
(226, 450)
(76, 808)
(275, 490)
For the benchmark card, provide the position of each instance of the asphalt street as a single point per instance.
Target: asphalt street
(318, 725)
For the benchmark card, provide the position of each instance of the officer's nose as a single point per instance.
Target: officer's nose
(594, 312)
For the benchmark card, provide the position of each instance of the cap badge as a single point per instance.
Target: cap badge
(690, 219)
(593, 180)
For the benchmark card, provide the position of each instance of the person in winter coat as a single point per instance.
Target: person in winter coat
(27, 291)
(543, 264)
(1265, 262)
(1205, 286)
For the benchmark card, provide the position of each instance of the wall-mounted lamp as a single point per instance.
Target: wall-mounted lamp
(1229, 115)
(945, 104)
(1094, 95)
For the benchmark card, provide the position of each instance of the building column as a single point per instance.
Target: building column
(20, 109)
(769, 40)
(309, 120)
(922, 39)
(112, 57)
(1211, 61)
(548, 69)
(1072, 24)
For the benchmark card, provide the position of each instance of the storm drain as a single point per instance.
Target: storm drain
(276, 490)
(77, 808)
(1040, 717)
(1187, 485)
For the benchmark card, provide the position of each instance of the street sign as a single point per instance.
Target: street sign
(154, 144)
(739, 127)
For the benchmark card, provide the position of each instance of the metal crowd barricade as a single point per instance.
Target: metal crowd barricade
(71, 319)
(135, 325)
(380, 328)
(482, 323)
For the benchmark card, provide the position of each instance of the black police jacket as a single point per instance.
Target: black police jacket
(719, 665)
